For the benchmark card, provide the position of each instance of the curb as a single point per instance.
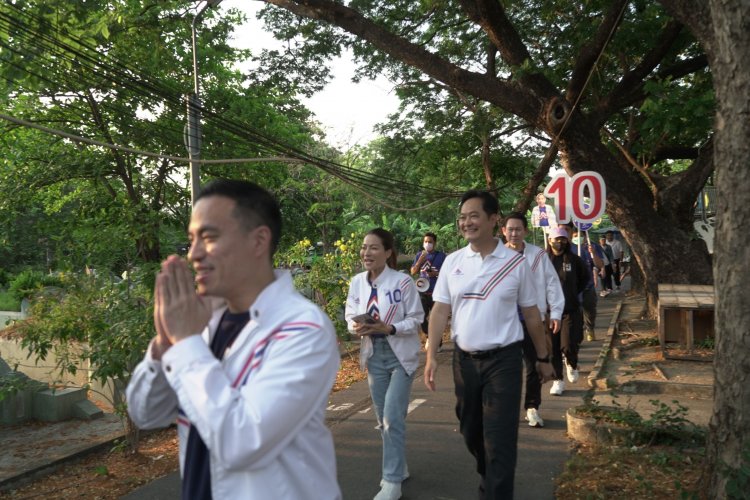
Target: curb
(606, 347)
(45, 469)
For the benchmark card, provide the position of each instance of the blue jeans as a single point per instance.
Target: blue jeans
(390, 387)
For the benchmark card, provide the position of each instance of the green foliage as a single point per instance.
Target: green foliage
(666, 424)
(738, 476)
(101, 470)
(14, 382)
(8, 302)
(707, 343)
(95, 320)
(29, 282)
(5, 276)
(325, 279)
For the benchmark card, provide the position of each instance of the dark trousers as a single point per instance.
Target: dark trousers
(616, 271)
(533, 396)
(488, 400)
(589, 309)
(427, 304)
(607, 279)
(567, 342)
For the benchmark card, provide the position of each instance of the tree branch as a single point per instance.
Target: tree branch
(507, 95)
(631, 83)
(674, 153)
(489, 14)
(589, 53)
(694, 14)
(675, 72)
(529, 191)
(678, 192)
(629, 158)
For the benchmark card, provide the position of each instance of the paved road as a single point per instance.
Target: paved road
(439, 464)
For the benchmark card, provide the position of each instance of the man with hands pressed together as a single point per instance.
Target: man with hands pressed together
(483, 285)
(248, 381)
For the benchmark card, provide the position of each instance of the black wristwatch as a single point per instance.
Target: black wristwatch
(393, 330)
(542, 360)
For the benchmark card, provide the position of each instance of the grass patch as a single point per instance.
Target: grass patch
(631, 472)
(8, 302)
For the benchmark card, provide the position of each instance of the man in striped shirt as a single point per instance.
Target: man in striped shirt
(482, 286)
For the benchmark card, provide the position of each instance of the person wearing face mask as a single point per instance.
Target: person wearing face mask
(593, 256)
(573, 278)
(383, 308)
(427, 264)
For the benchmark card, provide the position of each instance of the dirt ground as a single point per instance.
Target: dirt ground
(597, 471)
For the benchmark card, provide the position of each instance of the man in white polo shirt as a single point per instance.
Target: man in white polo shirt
(483, 285)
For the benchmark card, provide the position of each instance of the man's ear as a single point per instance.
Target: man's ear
(262, 241)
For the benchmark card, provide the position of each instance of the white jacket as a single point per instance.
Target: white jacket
(260, 410)
(546, 281)
(399, 305)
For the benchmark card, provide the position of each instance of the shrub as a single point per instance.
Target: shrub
(29, 282)
(9, 303)
(326, 279)
(95, 320)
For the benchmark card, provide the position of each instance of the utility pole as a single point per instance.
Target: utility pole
(194, 112)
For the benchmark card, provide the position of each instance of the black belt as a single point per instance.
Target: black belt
(485, 354)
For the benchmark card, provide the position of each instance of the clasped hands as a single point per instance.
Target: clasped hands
(179, 312)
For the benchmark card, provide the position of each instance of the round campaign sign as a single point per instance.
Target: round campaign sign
(569, 192)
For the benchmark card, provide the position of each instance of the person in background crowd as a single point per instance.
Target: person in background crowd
(549, 297)
(248, 383)
(384, 309)
(573, 277)
(594, 258)
(427, 264)
(617, 252)
(481, 287)
(608, 259)
(543, 216)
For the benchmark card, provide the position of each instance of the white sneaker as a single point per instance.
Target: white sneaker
(572, 373)
(532, 416)
(406, 475)
(389, 491)
(558, 386)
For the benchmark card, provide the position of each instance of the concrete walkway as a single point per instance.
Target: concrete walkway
(439, 464)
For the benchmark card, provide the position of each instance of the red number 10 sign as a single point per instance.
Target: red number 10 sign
(568, 193)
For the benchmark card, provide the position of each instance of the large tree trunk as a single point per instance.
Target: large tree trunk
(729, 432)
(658, 236)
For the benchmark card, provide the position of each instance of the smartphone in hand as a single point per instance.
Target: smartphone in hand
(364, 319)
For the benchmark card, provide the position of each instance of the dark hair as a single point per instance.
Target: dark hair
(489, 202)
(610, 232)
(389, 243)
(430, 235)
(516, 215)
(254, 205)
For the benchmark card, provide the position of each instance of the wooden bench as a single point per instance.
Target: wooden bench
(686, 314)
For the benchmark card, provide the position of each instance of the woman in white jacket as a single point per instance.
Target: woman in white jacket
(384, 309)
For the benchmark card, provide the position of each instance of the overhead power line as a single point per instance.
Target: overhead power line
(48, 51)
